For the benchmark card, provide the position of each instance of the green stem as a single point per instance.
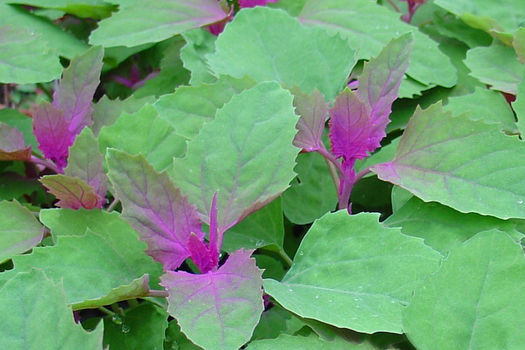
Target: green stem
(285, 257)
(106, 311)
(113, 204)
(133, 303)
(158, 294)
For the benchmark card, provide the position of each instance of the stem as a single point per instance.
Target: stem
(106, 311)
(7, 98)
(362, 173)
(113, 204)
(158, 294)
(333, 173)
(133, 303)
(331, 158)
(47, 163)
(285, 257)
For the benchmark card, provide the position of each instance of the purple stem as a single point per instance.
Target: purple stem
(216, 234)
(47, 163)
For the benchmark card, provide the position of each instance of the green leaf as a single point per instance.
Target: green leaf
(136, 289)
(268, 44)
(490, 16)
(519, 105)
(285, 341)
(199, 43)
(51, 35)
(109, 242)
(480, 283)
(189, 108)
(453, 27)
(486, 105)
(77, 261)
(264, 228)
(22, 123)
(172, 74)
(312, 193)
(106, 112)
(442, 227)
(371, 27)
(25, 58)
(19, 230)
(519, 44)
(145, 22)
(251, 133)
(14, 186)
(485, 177)
(144, 132)
(486, 65)
(81, 8)
(220, 309)
(175, 339)
(142, 328)
(85, 162)
(29, 302)
(352, 272)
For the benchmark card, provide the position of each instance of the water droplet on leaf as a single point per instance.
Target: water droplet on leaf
(116, 319)
(125, 328)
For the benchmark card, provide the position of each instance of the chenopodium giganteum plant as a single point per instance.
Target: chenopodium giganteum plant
(203, 177)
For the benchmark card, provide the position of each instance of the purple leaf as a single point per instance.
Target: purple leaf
(253, 3)
(216, 233)
(72, 193)
(379, 84)
(52, 133)
(12, 144)
(154, 207)
(86, 162)
(312, 110)
(350, 127)
(77, 87)
(220, 309)
(201, 254)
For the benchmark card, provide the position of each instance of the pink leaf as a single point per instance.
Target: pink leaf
(312, 110)
(72, 193)
(154, 207)
(77, 87)
(200, 254)
(52, 133)
(253, 3)
(12, 144)
(379, 84)
(350, 127)
(219, 309)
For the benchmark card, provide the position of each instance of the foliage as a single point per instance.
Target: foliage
(262, 174)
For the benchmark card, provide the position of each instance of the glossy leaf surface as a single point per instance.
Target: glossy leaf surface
(268, 44)
(479, 283)
(23, 330)
(343, 277)
(20, 230)
(226, 156)
(485, 177)
(154, 22)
